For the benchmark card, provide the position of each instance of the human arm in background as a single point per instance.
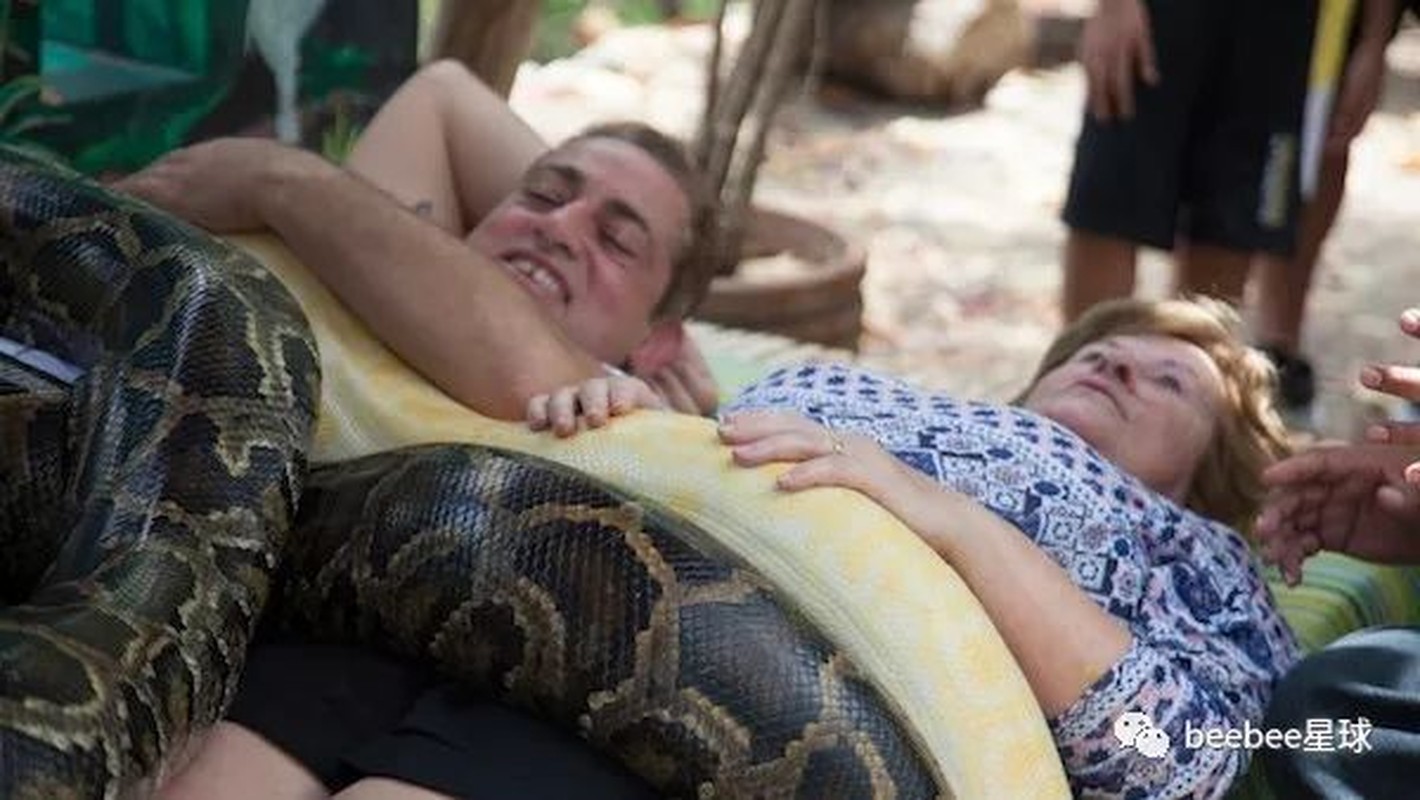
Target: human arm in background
(1362, 79)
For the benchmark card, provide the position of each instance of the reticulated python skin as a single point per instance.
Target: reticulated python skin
(176, 461)
(142, 514)
(605, 613)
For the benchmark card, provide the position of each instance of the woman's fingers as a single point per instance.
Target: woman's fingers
(789, 445)
(747, 426)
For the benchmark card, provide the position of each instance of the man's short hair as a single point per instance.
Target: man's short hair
(690, 274)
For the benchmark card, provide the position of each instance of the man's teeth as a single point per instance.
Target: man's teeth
(538, 274)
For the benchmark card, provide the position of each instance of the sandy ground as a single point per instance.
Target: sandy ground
(959, 212)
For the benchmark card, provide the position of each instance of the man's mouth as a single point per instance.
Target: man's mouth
(541, 279)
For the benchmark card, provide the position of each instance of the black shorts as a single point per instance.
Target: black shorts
(1212, 152)
(347, 713)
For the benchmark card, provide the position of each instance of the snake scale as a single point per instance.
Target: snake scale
(150, 510)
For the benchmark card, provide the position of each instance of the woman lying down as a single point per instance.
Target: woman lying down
(1096, 520)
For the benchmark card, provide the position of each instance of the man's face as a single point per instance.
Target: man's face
(592, 233)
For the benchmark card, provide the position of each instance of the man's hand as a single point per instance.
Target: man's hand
(1402, 382)
(216, 185)
(1346, 498)
(594, 401)
(685, 383)
(1116, 45)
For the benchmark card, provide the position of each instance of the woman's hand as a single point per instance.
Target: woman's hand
(823, 457)
(594, 401)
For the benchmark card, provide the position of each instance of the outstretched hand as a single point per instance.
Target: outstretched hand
(592, 402)
(1403, 382)
(823, 457)
(1117, 45)
(1347, 498)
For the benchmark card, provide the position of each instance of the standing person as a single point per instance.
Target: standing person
(1284, 283)
(1190, 141)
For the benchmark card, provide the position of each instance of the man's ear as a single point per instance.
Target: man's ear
(659, 349)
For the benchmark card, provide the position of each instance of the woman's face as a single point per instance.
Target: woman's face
(1148, 403)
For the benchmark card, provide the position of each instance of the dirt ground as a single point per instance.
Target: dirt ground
(959, 212)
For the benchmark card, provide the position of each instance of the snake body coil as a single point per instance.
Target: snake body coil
(142, 510)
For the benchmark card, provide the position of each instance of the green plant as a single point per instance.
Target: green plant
(338, 139)
(23, 111)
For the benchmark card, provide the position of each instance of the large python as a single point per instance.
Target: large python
(637, 625)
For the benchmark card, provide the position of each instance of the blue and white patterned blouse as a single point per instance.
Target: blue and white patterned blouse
(1208, 643)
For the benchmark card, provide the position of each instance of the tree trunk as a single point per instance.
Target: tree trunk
(491, 37)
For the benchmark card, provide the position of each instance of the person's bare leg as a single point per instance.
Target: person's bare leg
(234, 763)
(387, 789)
(1096, 268)
(1210, 270)
(1283, 284)
(446, 144)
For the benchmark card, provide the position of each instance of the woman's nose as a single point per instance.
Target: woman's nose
(1121, 370)
(1116, 367)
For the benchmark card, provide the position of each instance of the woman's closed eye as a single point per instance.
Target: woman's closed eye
(1170, 382)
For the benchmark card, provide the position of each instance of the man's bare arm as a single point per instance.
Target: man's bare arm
(446, 140)
(448, 311)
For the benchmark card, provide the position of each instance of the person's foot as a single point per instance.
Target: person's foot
(1296, 385)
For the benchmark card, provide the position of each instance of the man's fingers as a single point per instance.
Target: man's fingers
(562, 411)
(594, 399)
(625, 396)
(537, 412)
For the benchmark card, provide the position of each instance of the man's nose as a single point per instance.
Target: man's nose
(563, 227)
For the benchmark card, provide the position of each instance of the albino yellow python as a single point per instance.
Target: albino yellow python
(594, 605)
(902, 616)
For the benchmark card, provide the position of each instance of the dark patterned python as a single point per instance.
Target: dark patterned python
(142, 510)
